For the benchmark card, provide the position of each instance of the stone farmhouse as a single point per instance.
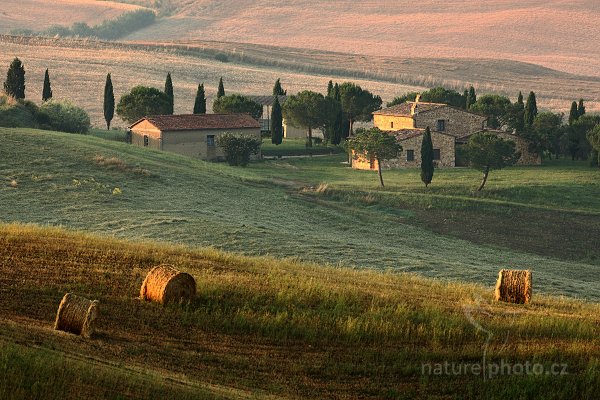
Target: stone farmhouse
(450, 128)
(190, 135)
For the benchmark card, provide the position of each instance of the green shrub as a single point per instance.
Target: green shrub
(239, 148)
(63, 116)
(17, 114)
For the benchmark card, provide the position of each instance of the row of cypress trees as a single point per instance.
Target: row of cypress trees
(14, 85)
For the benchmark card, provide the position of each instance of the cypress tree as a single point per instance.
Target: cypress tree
(573, 114)
(109, 101)
(471, 97)
(277, 89)
(580, 108)
(221, 90)
(427, 158)
(276, 122)
(466, 99)
(47, 91)
(15, 80)
(169, 92)
(330, 89)
(530, 110)
(520, 114)
(200, 102)
(338, 125)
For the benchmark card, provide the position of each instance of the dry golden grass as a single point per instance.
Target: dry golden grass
(78, 71)
(553, 33)
(40, 14)
(265, 326)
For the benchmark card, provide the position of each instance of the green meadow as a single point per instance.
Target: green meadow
(316, 209)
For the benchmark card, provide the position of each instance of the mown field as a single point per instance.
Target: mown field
(273, 329)
(543, 218)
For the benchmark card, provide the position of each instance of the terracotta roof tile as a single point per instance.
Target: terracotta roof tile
(191, 122)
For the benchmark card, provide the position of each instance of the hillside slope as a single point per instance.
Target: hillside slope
(553, 33)
(112, 188)
(41, 14)
(272, 329)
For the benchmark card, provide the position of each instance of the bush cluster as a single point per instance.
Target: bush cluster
(238, 148)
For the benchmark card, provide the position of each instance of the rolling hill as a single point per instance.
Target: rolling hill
(555, 33)
(41, 14)
(100, 186)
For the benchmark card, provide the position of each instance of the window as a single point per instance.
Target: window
(441, 125)
(436, 154)
(410, 155)
(145, 140)
(210, 140)
(392, 125)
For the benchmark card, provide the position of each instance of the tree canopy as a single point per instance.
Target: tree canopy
(438, 95)
(143, 101)
(236, 103)
(486, 152)
(593, 137)
(357, 103)
(374, 144)
(310, 110)
(495, 107)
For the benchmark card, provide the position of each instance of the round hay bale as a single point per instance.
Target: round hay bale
(513, 286)
(165, 284)
(76, 315)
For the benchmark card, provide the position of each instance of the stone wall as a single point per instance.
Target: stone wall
(457, 122)
(392, 122)
(445, 143)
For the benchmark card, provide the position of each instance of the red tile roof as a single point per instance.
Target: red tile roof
(193, 122)
(404, 134)
(404, 109)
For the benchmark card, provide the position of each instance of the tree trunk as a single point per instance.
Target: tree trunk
(108, 125)
(350, 135)
(379, 171)
(486, 172)
(309, 137)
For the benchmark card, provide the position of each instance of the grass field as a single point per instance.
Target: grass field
(41, 14)
(316, 209)
(267, 328)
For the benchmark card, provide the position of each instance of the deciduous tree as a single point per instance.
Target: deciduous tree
(310, 110)
(374, 144)
(235, 103)
(357, 104)
(486, 152)
(238, 148)
(497, 108)
(593, 137)
(143, 101)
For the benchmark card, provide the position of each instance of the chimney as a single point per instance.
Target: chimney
(414, 110)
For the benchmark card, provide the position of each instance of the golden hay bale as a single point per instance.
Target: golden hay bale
(76, 315)
(165, 284)
(513, 286)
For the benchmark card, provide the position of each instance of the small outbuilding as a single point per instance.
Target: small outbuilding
(192, 135)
